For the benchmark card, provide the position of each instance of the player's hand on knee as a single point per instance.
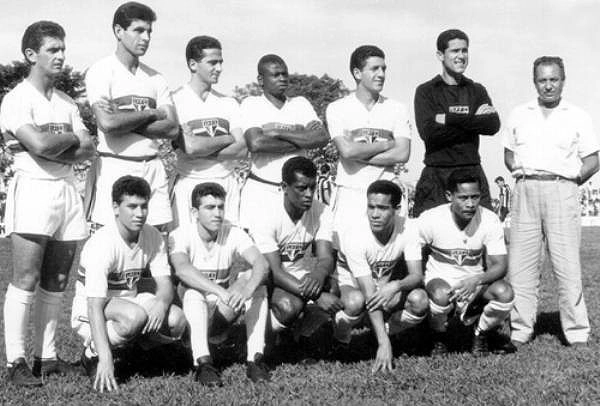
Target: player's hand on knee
(465, 289)
(330, 303)
(156, 317)
(383, 359)
(237, 298)
(310, 287)
(381, 298)
(105, 377)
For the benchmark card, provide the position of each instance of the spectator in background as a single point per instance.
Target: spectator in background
(324, 183)
(503, 197)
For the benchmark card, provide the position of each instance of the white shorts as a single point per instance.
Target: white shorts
(50, 207)
(79, 313)
(462, 307)
(182, 194)
(258, 200)
(211, 299)
(108, 170)
(345, 278)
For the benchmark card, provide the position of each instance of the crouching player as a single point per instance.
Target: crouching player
(286, 238)
(108, 311)
(370, 274)
(203, 255)
(459, 234)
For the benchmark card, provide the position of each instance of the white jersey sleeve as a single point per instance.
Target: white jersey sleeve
(325, 231)
(15, 112)
(158, 264)
(97, 82)
(494, 239)
(250, 113)
(306, 111)
(356, 258)
(179, 241)
(162, 91)
(402, 127)
(240, 239)
(412, 249)
(96, 262)
(335, 122)
(265, 236)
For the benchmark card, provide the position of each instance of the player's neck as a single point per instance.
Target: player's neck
(277, 100)
(207, 236)
(366, 97)
(451, 78)
(42, 83)
(294, 213)
(384, 235)
(202, 89)
(460, 222)
(130, 61)
(130, 237)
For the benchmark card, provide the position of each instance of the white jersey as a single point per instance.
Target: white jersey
(26, 105)
(110, 268)
(214, 263)
(458, 253)
(109, 78)
(258, 111)
(361, 254)
(213, 117)
(277, 232)
(348, 117)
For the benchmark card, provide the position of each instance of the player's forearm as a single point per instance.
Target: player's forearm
(160, 129)
(484, 124)
(356, 151)
(307, 138)
(378, 325)
(204, 146)
(85, 150)
(237, 150)
(164, 290)
(52, 146)
(124, 122)
(497, 268)
(286, 282)
(391, 157)
(193, 278)
(324, 267)
(263, 143)
(509, 160)
(588, 168)
(98, 328)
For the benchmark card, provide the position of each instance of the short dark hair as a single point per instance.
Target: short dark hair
(196, 46)
(267, 60)
(130, 186)
(498, 179)
(207, 189)
(386, 187)
(460, 176)
(550, 60)
(297, 164)
(130, 11)
(34, 35)
(446, 36)
(359, 56)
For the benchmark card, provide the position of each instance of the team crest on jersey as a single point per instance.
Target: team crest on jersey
(459, 109)
(140, 103)
(56, 128)
(459, 255)
(371, 135)
(132, 276)
(382, 269)
(293, 251)
(209, 127)
(211, 276)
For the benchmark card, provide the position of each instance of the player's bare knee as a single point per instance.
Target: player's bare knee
(177, 321)
(438, 292)
(286, 309)
(501, 291)
(54, 283)
(227, 312)
(131, 323)
(417, 302)
(354, 302)
(26, 279)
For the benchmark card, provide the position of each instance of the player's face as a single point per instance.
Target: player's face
(131, 212)
(51, 56)
(380, 211)
(548, 83)
(456, 57)
(135, 38)
(274, 79)
(210, 213)
(465, 200)
(209, 67)
(300, 193)
(372, 75)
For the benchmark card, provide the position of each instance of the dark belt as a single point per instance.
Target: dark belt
(261, 180)
(128, 158)
(548, 177)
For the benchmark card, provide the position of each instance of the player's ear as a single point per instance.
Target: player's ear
(117, 30)
(440, 55)
(259, 79)
(31, 56)
(356, 73)
(283, 186)
(448, 195)
(115, 208)
(194, 214)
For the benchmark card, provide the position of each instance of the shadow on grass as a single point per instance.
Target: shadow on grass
(549, 323)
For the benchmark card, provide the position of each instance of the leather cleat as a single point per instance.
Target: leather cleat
(45, 367)
(257, 370)
(480, 345)
(207, 374)
(19, 374)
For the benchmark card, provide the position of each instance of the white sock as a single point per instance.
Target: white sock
(195, 309)
(45, 319)
(343, 326)
(17, 304)
(402, 320)
(256, 322)
(114, 338)
(439, 316)
(494, 314)
(276, 325)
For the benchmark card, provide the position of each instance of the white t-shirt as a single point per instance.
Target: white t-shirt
(387, 120)
(147, 88)
(214, 263)
(26, 105)
(555, 143)
(213, 117)
(258, 111)
(362, 254)
(277, 232)
(110, 268)
(458, 253)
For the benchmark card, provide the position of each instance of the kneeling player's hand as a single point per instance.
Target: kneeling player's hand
(237, 298)
(381, 298)
(156, 317)
(310, 287)
(465, 289)
(105, 377)
(383, 359)
(330, 303)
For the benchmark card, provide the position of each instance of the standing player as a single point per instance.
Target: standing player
(43, 128)
(551, 148)
(108, 312)
(371, 132)
(203, 255)
(133, 111)
(287, 235)
(503, 197)
(370, 273)
(458, 235)
(451, 111)
(276, 128)
(212, 140)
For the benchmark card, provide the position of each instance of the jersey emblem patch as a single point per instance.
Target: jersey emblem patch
(209, 127)
(459, 109)
(382, 269)
(132, 277)
(459, 255)
(293, 251)
(56, 128)
(140, 103)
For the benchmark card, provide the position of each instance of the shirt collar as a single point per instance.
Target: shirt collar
(563, 105)
(437, 80)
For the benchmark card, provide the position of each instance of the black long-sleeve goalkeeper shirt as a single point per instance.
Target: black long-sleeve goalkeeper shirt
(456, 142)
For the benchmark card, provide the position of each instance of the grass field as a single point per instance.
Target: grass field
(543, 373)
